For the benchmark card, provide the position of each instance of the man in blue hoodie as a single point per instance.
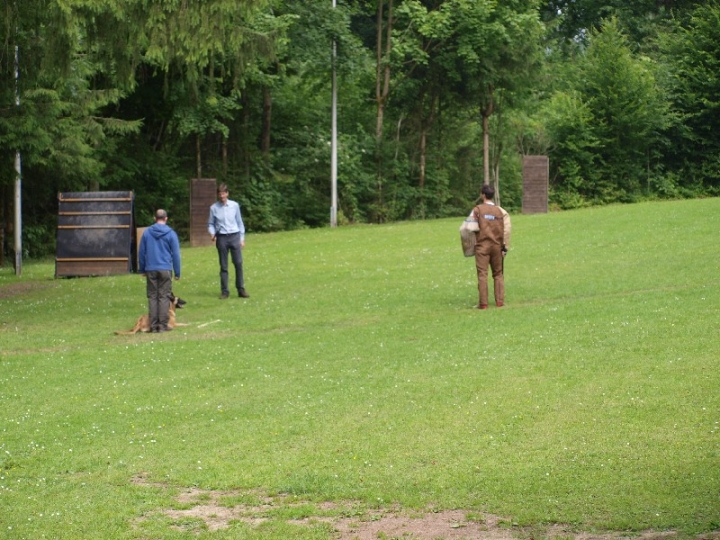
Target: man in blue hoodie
(158, 257)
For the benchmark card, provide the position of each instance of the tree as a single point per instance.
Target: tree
(639, 19)
(61, 127)
(692, 66)
(474, 49)
(383, 50)
(607, 121)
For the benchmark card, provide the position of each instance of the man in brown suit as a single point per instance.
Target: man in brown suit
(492, 242)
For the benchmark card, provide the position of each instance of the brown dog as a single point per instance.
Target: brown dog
(143, 322)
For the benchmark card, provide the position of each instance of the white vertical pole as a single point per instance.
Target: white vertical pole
(333, 141)
(18, 179)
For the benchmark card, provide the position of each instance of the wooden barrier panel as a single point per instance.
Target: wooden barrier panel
(536, 173)
(95, 233)
(203, 193)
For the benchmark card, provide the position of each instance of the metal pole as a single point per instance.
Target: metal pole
(333, 141)
(18, 179)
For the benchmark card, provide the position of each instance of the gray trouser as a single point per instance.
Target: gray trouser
(159, 294)
(231, 243)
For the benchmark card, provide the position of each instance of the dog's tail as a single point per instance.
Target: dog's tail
(130, 333)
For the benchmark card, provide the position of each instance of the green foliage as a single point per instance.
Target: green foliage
(640, 19)
(58, 129)
(301, 161)
(205, 118)
(622, 92)
(447, 60)
(692, 64)
(606, 123)
(195, 37)
(570, 125)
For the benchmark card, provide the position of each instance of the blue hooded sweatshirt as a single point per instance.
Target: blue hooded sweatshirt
(159, 250)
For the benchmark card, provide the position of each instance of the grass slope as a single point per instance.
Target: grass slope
(358, 371)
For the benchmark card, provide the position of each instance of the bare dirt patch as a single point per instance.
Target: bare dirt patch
(348, 521)
(446, 525)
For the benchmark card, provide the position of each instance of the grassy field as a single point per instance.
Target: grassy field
(358, 374)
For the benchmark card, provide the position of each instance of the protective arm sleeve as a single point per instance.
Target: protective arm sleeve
(507, 227)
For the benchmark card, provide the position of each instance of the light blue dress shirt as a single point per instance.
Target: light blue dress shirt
(226, 219)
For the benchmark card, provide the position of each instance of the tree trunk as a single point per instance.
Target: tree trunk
(4, 212)
(382, 69)
(198, 156)
(426, 125)
(397, 136)
(497, 156)
(378, 93)
(423, 150)
(382, 88)
(486, 112)
(266, 124)
(246, 129)
(225, 156)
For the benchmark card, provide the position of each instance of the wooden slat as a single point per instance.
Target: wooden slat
(87, 259)
(93, 226)
(123, 199)
(90, 268)
(123, 213)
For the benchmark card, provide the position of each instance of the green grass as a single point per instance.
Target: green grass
(357, 373)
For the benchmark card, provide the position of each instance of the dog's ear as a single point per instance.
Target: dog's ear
(179, 302)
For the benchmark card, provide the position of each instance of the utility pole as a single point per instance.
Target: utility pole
(18, 178)
(333, 140)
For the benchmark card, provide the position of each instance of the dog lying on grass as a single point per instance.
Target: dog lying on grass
(143, 322)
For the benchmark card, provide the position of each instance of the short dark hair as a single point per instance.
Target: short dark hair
(160, 214)
(222, 188)
(488, 191)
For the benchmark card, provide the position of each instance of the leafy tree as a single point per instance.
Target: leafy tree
(607, 122)
(639, 19)
(59, 127)
(574, 156)
(469, 50)
(692, 64)
(629, 112)
(298, 171)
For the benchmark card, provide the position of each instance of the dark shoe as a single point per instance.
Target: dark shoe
(243, 294)
(165, 329)
(224, 296)
(160, 330)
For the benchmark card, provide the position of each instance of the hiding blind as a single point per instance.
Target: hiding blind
(95, 233)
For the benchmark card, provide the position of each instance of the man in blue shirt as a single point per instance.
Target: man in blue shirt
(158, 257)
(226, 227)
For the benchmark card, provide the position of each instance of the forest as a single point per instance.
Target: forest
(434, 99)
